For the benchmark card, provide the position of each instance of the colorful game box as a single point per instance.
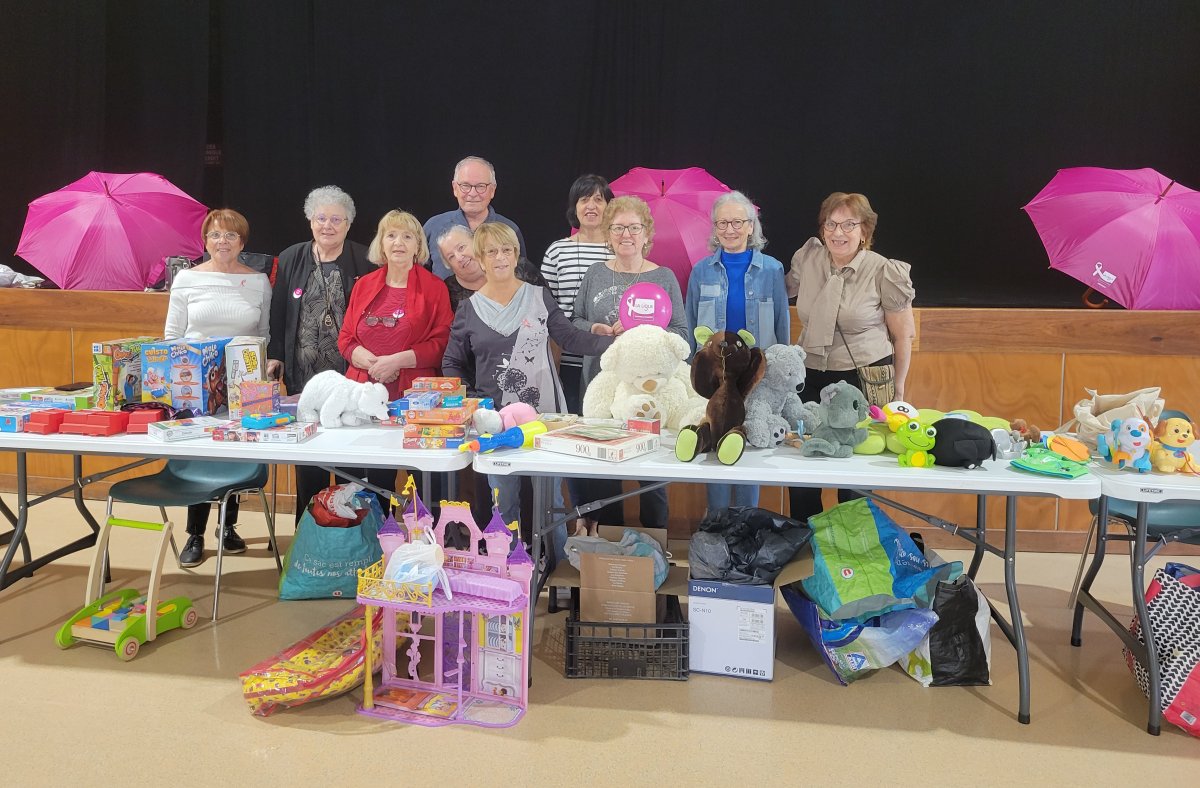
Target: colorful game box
(186, 373)
(245, 360)
(14, 419)
(255, 398)
(460, 415)
(117, 371)
(436, 384)
(435, 430)
(184, 429)
(296, 432)
(67, 400)
(431, 443)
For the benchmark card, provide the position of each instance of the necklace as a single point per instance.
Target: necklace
(327, 319)
(636, 279)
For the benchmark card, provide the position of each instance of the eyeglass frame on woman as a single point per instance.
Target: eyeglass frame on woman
(387, 321)
(508, 251)
(619, 229)
(336, 221)
(723, 224)
(830, 225)
(218, 235)
(467, 188)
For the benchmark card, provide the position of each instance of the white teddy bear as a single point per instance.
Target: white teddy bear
(336, 401)
(644, 374)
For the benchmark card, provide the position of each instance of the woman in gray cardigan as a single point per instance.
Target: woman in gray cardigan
(630, 229)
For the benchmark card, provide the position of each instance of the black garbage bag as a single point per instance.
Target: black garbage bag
(744, 544)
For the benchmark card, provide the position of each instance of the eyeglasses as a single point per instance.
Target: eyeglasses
(467, 188)
(387, 321)
(228, 235)
(847, 226)
(507, 251)
(634, 229)
(336, 221)
(737, 224)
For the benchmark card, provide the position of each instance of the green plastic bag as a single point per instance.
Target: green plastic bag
(324, 562)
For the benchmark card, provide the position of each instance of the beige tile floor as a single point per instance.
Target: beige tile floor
(175, 714)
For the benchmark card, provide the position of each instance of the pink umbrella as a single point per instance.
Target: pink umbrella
(1132, 235)
(111, 231)
(681, 203)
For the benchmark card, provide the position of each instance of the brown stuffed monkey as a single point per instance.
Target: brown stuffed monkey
(725, 369)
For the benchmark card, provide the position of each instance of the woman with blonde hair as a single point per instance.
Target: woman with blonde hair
(398, 319)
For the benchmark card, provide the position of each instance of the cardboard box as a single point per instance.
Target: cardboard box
(254, 398)
(67, 400)
(186, 373)
(184, 429)
(733, 625)
(245, 360)
(117, 371)
(597, 441)
(435, 430)
(619, 589)
(431, 443)
(14, 419)
(296, 432)
(436, 384)
(444, 415)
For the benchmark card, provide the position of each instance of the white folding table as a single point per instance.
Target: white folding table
(1143, 489)
(785, 467)
(360, 447)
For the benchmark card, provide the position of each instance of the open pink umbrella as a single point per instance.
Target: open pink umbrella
(1131, 235)
(681, 203)
(111, 231)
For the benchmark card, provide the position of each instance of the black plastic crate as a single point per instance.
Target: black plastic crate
(628, 651)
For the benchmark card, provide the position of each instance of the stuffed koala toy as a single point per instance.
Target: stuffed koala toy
(335, 401)
(644, 375)
(774, 407)
(842, 407)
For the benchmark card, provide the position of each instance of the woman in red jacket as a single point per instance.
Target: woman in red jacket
(398, 319)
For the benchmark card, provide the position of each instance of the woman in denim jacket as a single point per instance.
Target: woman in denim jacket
(737, 287)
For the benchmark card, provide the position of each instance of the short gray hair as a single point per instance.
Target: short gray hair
(328, 195)
(479, 160)
(451, 230)
(756, 240)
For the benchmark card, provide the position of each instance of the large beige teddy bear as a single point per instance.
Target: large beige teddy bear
(644, 374)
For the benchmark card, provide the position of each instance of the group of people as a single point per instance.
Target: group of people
(459, 296)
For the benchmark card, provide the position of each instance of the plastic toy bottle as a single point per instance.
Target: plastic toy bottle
(513, 437)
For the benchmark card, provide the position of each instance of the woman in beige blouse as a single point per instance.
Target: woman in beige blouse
(839, 283)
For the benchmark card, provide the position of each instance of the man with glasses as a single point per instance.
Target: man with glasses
(474, 186)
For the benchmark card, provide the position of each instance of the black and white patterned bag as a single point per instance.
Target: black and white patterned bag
(1173, 602)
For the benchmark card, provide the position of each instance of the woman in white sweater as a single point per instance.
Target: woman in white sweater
(218, 298)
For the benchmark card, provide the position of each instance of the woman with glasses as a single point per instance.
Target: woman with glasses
(398, 319)
(218, 298)
(314, 281)
(737, 287)
(856, 307)
(630, 230)
(501, 340)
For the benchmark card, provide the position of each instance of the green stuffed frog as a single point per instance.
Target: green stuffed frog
(917, 441)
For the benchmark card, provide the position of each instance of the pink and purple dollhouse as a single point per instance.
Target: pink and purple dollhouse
(457, 659)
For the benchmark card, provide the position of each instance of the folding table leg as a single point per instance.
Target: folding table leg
(1138, 566)
(1014, 605)
(1085, 586)
(981, 532)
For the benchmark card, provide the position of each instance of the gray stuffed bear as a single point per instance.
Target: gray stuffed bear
(842, 407)
(774, 407)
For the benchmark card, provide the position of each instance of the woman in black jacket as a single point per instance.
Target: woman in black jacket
(313, 285)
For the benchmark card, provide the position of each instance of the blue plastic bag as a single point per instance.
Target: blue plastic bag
(324, 562)
(865, 565)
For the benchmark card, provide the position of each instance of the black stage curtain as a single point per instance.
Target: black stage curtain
(949, 117)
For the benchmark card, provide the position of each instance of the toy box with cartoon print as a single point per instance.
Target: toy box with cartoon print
(117, 371)
(245, 360)
(186, 373)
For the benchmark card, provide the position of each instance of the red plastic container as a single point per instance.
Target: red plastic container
(45, 422)
(139, 419)
(95, 422)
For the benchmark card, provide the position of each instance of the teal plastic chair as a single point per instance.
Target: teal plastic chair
(1167, 522)
(187, 482)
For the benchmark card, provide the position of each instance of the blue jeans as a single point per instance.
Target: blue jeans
(720, 495)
